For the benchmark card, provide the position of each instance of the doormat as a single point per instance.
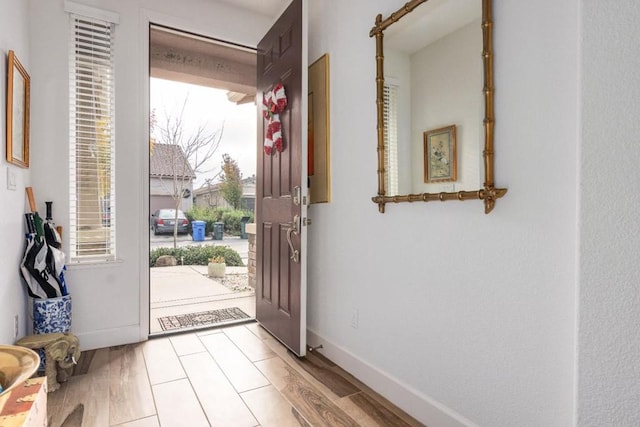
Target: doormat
(202, 318)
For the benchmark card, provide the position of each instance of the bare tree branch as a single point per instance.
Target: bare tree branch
(191, 149)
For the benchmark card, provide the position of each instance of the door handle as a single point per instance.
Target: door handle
(295, 228)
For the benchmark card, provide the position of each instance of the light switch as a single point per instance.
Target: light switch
(11, 178)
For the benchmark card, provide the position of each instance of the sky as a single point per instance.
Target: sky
(210, 108)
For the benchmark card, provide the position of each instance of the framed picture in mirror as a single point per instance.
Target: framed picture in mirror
(18, 91)
(440, 158)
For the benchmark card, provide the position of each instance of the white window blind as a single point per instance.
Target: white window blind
(92, 234)
(391, 137)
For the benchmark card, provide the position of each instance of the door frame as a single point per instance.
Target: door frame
(148, 17)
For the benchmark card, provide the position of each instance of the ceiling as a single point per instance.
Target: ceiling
(429, 22)
(191, 59)
(272, 8)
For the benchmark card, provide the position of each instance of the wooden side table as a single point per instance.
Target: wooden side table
(25, 405)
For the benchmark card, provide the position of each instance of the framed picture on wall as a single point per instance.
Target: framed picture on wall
(440, 157)
(18, 91)
(318, 130)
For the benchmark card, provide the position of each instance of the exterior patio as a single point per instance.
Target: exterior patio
(187, 289)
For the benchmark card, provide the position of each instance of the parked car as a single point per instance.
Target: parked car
(163, 220)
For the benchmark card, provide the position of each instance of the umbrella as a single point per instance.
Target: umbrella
(53, 239)
(39, 266)
(50, 233)
(43, 263)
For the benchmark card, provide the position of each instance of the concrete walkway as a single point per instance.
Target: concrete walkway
(188, 289)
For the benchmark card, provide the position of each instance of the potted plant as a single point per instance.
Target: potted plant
(216, 267)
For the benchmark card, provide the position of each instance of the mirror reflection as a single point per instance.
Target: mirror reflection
(433, 100)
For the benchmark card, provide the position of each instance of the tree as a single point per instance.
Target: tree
(189, 150)
(231, 181)
(153, 121)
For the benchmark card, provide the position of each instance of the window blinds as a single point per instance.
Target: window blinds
(91, 140)
(390, 97)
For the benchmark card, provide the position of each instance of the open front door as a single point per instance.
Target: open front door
(282, 183)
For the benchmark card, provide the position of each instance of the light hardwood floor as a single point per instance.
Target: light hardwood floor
(233, 376)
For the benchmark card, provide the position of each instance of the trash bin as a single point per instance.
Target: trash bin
(218, 230)
(243, 226)
(197, 230)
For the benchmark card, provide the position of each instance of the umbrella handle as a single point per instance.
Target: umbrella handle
(49, 215)
(32, 199)
(31, 223)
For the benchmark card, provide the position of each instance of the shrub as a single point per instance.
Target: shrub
(230, 217)
(157, 253)
(232, 220)
(197, 255)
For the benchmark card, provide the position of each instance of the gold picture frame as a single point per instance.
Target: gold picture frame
(318, 161)
(440, 155)
(18, 93)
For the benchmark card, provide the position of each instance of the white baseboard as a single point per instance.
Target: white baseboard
(108, 337)
(414, 403)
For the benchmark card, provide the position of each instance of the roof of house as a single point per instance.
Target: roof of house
(168, 160)
(212, 188)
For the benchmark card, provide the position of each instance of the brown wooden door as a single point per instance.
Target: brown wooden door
(281, 272)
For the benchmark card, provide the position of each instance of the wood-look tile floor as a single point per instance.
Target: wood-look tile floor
(233, 376)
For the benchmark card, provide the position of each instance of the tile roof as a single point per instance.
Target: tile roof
(213, 187)
(167, 159)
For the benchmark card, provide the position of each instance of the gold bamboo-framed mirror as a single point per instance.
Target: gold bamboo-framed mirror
(434, 97)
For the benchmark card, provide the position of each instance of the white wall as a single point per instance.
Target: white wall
(107, 298)
(14, 35)
(472, 315)
(609, 299)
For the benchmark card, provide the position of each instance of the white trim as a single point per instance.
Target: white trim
(304, 259)
(144, 273)
(91, 12)
(151, 16)
(421, 407)
(392, 81)
(91, 264)
(109, 337)
(200, 37)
